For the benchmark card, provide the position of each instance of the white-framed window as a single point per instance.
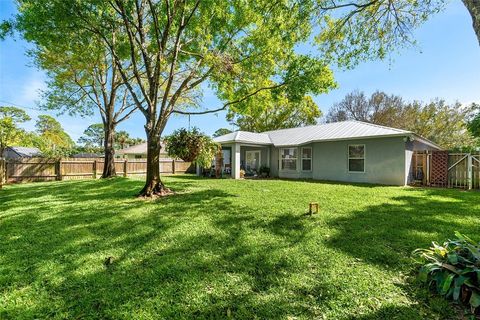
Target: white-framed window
(356, 158)
(288, 159)
(306, 159)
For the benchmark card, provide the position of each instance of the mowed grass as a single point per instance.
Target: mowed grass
(222, 249)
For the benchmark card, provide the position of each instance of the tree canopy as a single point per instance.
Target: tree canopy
(442, 123)
(278, 114)
(10, 131)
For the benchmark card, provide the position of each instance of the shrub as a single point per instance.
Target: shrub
(453, 269)
(192, 146)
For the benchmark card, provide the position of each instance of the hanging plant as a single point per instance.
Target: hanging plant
(191, 146)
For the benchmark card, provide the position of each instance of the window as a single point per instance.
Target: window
(288, 158)
(307, 159)
(356, 158)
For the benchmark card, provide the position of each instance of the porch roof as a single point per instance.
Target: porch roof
(244, 137)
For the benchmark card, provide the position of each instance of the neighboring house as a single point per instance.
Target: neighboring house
(350, 151)
(139, 151)
(21, 152)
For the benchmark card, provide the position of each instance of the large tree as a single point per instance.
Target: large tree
(473, 7)
(438, 121)
(166, 50)
(10, 131)
(277, 114)
(54, 141)
(93, 137)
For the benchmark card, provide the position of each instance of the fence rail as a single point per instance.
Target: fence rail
(462, 171)
(43, 169)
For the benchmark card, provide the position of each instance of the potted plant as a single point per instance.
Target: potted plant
(264, 171)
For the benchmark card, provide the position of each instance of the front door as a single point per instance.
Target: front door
(252, 161)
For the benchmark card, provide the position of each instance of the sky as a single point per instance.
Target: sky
(445, 64)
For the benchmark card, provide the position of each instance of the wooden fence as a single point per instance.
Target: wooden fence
(43, 169)
(462, 171)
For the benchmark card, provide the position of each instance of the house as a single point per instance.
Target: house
(21, 152)
(349, 151)
(139, 151)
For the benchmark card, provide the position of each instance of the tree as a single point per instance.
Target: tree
(10, 132)
(380, 108)
(165, 51)
(437, 121)
(474, 122)
(93, 137)
(192, 146)
(276, 115)
(473, 7)
(221, 132)
(123, 140)
(55, 142)
(82, 75)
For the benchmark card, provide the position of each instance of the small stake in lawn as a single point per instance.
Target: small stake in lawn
(313, 208)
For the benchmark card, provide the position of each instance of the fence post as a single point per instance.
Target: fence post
(3, 172)
(125, 168)
(469, 171)
(95, 169)
(173, 166)
(427, 173)
(58, 169)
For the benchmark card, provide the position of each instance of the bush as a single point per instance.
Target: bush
(192, 146)
(453, 269)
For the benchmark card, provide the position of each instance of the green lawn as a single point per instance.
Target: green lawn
(222, 248)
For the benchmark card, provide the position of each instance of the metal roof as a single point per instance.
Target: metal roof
(26, 151)
(244, 137)
(344, 130)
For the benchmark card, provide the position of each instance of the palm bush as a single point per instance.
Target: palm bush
(453, 269)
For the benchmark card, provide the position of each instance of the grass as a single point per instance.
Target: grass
(222, 249)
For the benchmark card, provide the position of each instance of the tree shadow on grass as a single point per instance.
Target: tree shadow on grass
(189, 255)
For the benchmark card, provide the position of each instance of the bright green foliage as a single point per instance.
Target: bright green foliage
(54, 141)
(10, 132)
(192, 146)
(474, 123)
(361, 30)
(223, 247)
(453, 269)
(265, 115)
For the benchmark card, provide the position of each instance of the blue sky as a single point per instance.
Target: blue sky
(446, 64)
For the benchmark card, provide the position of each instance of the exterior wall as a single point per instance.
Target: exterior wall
(384, 162)
(410, 147)
(264, 156)
(290, 174)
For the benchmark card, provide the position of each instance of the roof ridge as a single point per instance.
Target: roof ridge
(380, 126)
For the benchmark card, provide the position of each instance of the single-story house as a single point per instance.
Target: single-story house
(139, 151)
(349, 151)
(21, 152)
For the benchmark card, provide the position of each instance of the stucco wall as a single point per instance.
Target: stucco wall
(384, 162)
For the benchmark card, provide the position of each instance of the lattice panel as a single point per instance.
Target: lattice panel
(439, 168)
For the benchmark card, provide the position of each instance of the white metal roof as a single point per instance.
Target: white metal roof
(244, 137)
(343, 130)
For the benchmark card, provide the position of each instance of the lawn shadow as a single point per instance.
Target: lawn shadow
(182, 246)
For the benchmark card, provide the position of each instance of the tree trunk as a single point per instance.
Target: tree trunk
(109, 161)
(473, 7)
(153, 184)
